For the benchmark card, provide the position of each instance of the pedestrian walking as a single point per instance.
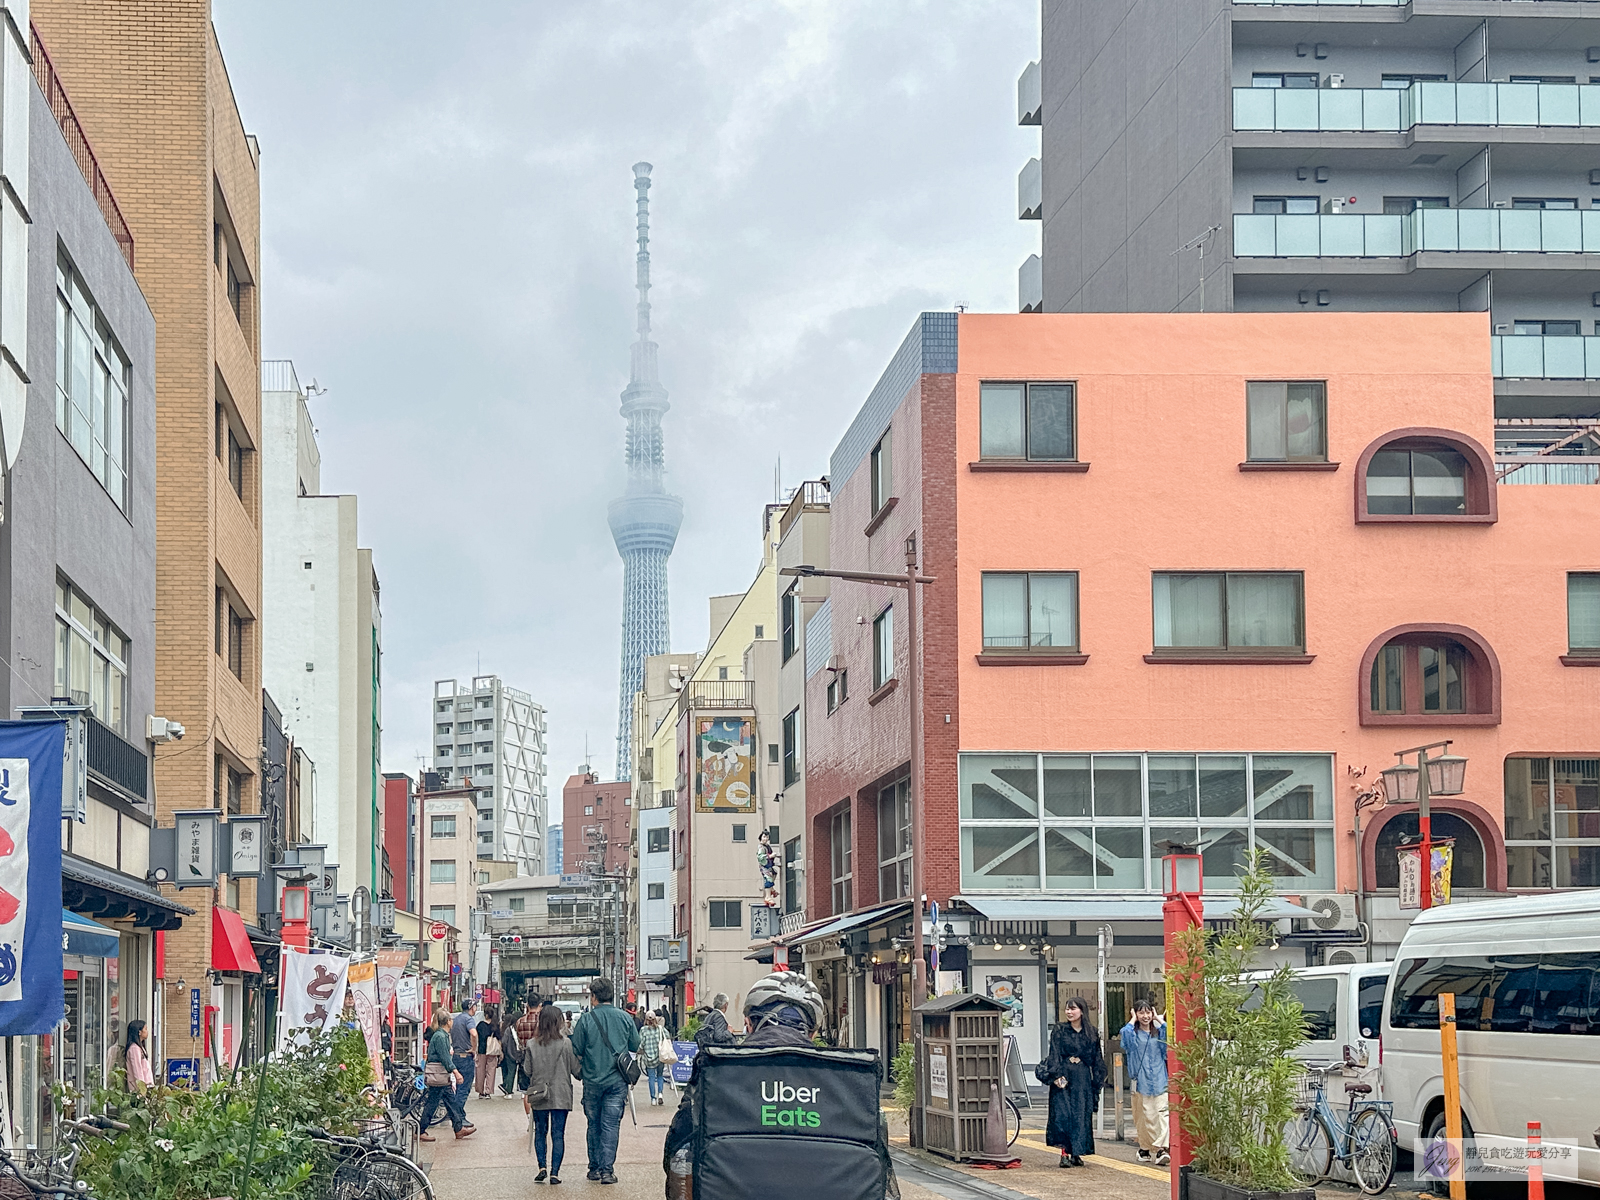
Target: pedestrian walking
(598, 1040)
(1075, 1071)
(651, 1039)
(550, 1065)
(1144, 1048)
(527, 1029)
(442, 1076)
(463, 1049)
(487, 1059)
(714, 1029)
(510, 1054)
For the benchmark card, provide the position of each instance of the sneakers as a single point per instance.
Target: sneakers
(608, 1177)
(1145, 1156)
(1163, 1158)
(593, 1174)
(539, 1178)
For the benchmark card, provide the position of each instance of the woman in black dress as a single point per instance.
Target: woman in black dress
(1075, 1071)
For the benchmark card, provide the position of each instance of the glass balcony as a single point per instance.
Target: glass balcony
(1548, 470)
(1389, 110)
(1532, 357)
(1372, 235)
(1341, 3)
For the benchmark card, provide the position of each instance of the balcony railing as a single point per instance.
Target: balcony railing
(1532, 357)
(1378, 235)
(116, 760)
(1554, 469)
(1389, 110)
(78, 142)
(716, 693)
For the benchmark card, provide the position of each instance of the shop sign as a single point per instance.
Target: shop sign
(244, 861)
(438, 930)
(1442, 853)
(885, 972)
(194, 1012)
(685, 1064)
(196, 848)
(183, 1073)
(938, 1073)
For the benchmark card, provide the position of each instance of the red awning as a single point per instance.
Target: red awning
(230, 944)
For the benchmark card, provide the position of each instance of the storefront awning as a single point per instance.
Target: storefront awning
(1111, 908)
(105, 892)
(230, 943)
(86, 937)
(856, 920)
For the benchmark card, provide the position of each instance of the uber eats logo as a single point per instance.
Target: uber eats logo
(783, 1105)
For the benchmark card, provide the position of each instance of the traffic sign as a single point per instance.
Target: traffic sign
(438, 930)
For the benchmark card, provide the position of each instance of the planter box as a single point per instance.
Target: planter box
(1198, 1187)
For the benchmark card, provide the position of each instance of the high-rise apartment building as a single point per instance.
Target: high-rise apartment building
(322, 631)
(151, 92)
(1323, 157)
(493, 735)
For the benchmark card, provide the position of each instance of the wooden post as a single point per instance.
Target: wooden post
(1535, 1161)
(1452, 1091)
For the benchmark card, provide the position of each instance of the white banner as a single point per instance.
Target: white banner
(391, 964)
(408, 999)
(313, 989)
(364, 991)
(13, 873)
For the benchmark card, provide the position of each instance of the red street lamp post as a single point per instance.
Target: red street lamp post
(1183, 909)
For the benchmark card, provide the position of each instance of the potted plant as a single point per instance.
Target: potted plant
(1236, 1084)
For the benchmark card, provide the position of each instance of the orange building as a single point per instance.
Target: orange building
(1198, 577)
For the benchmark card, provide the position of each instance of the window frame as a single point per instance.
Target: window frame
(881, 472)
(1482, 501)
(655, 891)
(883, 649)
(1591, 653)
(108, 705)
(1031, 647)
(841, 851)
(1552, 842)
(436, 875)
(717, 912)
(1251, 454)
(789, 621)
(838, 689)
(109, 374)
(441, 826)
(658, 845)
(1482, 682)
(1225, 653)
(791, 747)
(1028, 456)
(894, 840)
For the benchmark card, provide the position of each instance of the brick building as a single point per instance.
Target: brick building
(598, 819)
(400, 835)
(148, 83)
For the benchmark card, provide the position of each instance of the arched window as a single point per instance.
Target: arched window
(1430, 675)
(1467, 867)
(1430, 475)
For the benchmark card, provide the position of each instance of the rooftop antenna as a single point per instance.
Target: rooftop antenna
(1200, 242)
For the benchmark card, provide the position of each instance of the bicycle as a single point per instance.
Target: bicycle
(57, 1171)
(1012, 1116)
(1364, 1141)
(362, 1168)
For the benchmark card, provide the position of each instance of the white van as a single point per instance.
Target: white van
(1526, 976)
(1343, 1011)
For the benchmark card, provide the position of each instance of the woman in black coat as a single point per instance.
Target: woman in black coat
(1075, 1071)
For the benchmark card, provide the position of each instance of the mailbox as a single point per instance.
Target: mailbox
(963, 1061)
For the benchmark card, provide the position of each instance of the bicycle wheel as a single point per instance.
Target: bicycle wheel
(1372, 1151)
(1310, 1147)
(1013, 1119)
(399, 1177)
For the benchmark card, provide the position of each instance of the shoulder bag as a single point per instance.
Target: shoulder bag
(668, 1054)
(492, 1050)
(435, 1075)
(625, 1061)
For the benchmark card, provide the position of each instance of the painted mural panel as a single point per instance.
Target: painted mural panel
(724, 754)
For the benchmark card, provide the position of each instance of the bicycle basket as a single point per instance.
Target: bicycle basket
(1307, 1089)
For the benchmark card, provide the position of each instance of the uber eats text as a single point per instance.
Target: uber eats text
(776, 1092)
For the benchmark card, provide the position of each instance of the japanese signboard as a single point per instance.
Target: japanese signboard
(245, 841)
(31, 757)
(363, 977)
(183, 1073)
(196, 848)
(325, 888)
(1443, 852)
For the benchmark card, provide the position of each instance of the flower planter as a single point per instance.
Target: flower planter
(1199, 1187)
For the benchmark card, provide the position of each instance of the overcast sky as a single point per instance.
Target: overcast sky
(447, 210)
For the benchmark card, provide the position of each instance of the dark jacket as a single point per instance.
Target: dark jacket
(1069, 1125)
(604, 1031)
(714, 1031)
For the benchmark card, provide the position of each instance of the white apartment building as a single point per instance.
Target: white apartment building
(322, 633)
(494, 736)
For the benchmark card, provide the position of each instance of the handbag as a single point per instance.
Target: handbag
(492, 1050)
(435, 1075)
(625, 1061)
(667, 1054)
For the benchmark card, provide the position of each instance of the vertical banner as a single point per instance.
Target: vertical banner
(408, 998)
(364, 991)
(312, 989)
(32, 755)
(391, 963)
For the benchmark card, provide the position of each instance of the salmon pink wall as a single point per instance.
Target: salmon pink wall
(1161, 421)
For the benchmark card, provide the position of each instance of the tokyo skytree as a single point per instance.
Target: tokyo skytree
(644, 519)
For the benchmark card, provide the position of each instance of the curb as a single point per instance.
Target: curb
(922, 1163)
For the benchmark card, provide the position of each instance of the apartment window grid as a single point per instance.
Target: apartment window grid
(1583, 612)
(1552, 814)
(1083, 822)
(881, 472)
(883, 648)
(894, 840)
(840, 851)
(1030, 610)
(442, 826)
(93, 377)
(1287, 421)
(1229, 611)
(1036, 422)
(791, 747)
(726, 914)
(789, 621)
(91, 658)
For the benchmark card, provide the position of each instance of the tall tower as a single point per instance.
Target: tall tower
(644, 519)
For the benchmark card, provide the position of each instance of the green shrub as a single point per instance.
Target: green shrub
(904, 1073)
(691, 1026)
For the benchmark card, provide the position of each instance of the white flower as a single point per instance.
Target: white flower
(164, 1143)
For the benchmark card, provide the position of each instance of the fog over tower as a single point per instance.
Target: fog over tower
(644, 519)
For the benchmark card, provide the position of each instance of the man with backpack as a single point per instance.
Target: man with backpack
(605, 1042)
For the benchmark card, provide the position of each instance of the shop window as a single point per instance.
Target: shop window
(1552, 822)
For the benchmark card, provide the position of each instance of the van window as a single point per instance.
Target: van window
(1369, 1004)
(1510, 993)
(1319, 996)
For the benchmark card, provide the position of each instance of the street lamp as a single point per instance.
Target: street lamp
(1182, 880)
(1441, 775)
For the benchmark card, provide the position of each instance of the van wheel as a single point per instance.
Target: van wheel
(1441, 1187)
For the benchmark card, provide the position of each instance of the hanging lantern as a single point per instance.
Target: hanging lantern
(1400, 783)
(1447, 775)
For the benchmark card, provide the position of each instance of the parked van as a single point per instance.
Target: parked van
(1344, 1011)
(1526, 977)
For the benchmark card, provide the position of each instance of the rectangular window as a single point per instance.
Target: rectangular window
(882, 473)
(1583, 613)
(657, 841)
(442, 912)
(739, 832)
(1229, 612)
(1533, 328)
(1032, 421)
(93, 378)
(656, 891)
(774, 753)
(883, 648)
(840, 855)
(235, 291)
(1444, 676)
(1288, 421)
(789, 621)
(1282, 205)
(791, 876)
(91, 658)
(1552, 815)
(1406, 80)
(1388, 680)
(1401, 206)
(442, 870)
(235, 791)
(838, 689)
(235, 464)
(1030, 611)
(1285, 79)
(236, 625)
(727, 914)
(518, 904)
(442, 827)
(894, 841)
(1540, 203)
(791, 761)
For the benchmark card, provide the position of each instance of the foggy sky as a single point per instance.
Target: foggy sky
(447, 211)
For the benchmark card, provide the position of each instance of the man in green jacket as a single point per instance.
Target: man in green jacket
(604, 1032)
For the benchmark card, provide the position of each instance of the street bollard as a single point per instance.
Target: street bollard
(1535, 1161)
(1116, 1073)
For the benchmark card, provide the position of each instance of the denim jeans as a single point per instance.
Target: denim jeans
(468, 1068)
(555, 1121)
(602, 1105)
(446, 1096)
(657, 1083)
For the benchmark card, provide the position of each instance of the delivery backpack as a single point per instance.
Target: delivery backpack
(789, 1121)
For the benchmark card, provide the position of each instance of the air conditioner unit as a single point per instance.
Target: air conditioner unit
(1331, 911)
(1335, 79)
(1341, 958)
